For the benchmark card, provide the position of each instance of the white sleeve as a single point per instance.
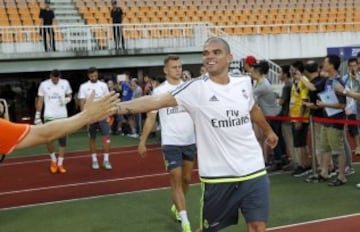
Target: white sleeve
(68, 88)
(187, 95)
(41, 90)
(81, 94)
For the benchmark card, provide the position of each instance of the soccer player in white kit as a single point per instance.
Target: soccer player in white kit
(54, 93)
(101, 89)
(177, 139)
(231, 165)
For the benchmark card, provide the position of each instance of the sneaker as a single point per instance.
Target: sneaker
(134, 135)
(333, 173)
(358, 185)
(349, 171)
(53, 167)
(186, 227)
(312, 178)
(301, 171)
(61, 169)
(107, 165)
(95, 165)
(175, 213)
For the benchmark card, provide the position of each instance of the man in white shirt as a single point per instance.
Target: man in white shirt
(231, 164)
(101, 89)
(177, 138)
(54, 93)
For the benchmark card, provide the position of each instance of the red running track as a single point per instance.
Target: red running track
(26, 181)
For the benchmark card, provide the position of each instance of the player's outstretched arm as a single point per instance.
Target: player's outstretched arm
(147, 104)
(94, 110)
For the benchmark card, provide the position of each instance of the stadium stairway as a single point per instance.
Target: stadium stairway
(66, 13)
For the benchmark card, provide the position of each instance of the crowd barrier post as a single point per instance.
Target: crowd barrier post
(313, 144)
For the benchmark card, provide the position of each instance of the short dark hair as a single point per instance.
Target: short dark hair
(171, 57)
(352, 60)
(55, 73)
(334, 60)
(262, 67)
(92, 70)
(286, 70)
(299, 65)
(312, 66)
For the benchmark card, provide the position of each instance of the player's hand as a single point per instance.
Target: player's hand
(37, 120)
(271, 139)
(96, 110)
(142, 149)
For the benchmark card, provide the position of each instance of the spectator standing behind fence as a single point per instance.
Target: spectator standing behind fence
(117, 18)
(299, 94)
(101, 90)
(315, 84)
(53, 95)
(332, 135)
(284, 101)
(351, 82)
(47, 15)
(266, 98)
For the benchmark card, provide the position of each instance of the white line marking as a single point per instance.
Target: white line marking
(86, 183)
(314, 221)
(46, 159)
(87, 198)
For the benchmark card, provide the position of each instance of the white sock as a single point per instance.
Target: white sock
(60, 161)
(52, 157)
(106, 157)
(94, 157)
(184, 217)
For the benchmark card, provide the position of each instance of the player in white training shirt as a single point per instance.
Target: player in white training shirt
(177, 138)
(54, 93)
(231, 164)
(101, 89)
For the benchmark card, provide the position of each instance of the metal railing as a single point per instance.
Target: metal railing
(22, 39)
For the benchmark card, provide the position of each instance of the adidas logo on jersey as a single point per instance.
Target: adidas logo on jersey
(213, 99)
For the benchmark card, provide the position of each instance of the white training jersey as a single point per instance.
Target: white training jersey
(54, 95)
(226, 142)
(100, 88)
(177, 127)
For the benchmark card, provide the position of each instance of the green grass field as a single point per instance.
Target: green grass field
(292, 201)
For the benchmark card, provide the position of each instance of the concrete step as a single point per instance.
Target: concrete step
(63, 7)
(56, 2)
(66, 12)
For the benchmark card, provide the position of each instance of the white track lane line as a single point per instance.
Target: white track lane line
(87, 198)
(85, 183)
(314, 221)
(46, 159)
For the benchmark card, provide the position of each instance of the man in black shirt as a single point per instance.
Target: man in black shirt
(47, 16)
(117, 17)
